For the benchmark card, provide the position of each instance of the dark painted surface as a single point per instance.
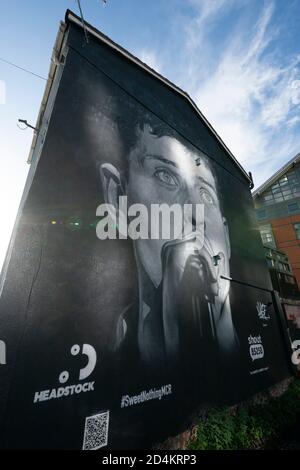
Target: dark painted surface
(65, 287)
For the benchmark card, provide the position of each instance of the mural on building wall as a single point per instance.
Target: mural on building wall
(113, 335)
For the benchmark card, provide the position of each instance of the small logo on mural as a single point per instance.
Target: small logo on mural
(256, 349)
(296, 354)
(262, 311)
(84, 373)
(90, 352)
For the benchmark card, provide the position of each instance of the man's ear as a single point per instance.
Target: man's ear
(111, 183)
(227, 239)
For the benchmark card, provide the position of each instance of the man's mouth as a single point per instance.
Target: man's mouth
(205, 267)
(191, 237)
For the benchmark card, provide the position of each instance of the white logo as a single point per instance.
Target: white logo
(256, 349)
(162, 222)
(84, 373)
(90, 352)
(262, 311)
(2, 352)
(296, 354)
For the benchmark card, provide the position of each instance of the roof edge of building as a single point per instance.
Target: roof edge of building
(276, 175)
(71, 17)
(51, 76)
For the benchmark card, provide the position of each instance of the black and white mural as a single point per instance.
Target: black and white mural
(119, 320)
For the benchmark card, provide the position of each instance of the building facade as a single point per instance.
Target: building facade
(130, 336)
(277, 204)
(281, 273)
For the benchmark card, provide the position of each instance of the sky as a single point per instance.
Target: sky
(238, 59)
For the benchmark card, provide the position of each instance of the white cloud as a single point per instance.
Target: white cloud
(249, 99)
(292, 121)
(295, 87)
(2, 92)
(150, 58)
(206, 11)
(260, 39)
(284, 99)
(241, 83)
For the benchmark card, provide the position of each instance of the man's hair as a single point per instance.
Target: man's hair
(118, 127)
(136, 121)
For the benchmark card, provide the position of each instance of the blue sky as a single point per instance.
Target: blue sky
(238, 59)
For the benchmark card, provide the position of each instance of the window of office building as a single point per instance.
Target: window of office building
(297, 230)
(285, 188)
(261, 214)
(267, 236)
(289, 279)
(293, 207)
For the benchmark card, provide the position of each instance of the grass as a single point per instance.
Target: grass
(249, 426)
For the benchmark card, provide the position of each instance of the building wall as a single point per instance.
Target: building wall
(286, 240)
(69, 297)
(277, 210)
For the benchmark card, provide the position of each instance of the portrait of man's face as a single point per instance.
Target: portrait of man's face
(162, 170)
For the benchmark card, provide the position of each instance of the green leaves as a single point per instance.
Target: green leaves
(249, 426)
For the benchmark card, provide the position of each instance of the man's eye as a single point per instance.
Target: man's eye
(206, 198)
(166, 177)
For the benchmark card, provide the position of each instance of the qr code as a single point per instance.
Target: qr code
(96, 431)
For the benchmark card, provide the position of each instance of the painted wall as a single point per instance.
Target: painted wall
(119, 342)
(286, 241)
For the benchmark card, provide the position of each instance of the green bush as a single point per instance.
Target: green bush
(251, 426)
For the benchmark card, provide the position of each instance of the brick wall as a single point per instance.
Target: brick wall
(286, 241)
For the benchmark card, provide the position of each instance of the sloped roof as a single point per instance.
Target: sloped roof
(277, 175)
(73, 18)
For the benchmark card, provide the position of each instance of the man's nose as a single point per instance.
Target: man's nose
(192, 202)
(192, 195)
